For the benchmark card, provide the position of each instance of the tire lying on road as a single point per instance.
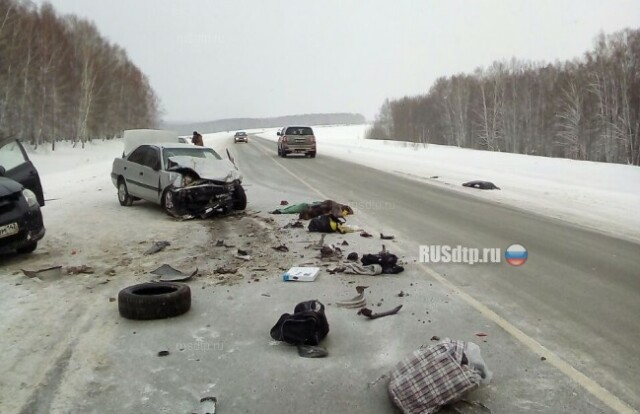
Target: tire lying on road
(156, 300)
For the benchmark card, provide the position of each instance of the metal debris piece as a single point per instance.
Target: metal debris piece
(47, 273)
(386, 237)
(281, 248)
(169, 274)
(369, 313)
(225, 270)
(355, 302)
(365, 234)
(220, 243)
(309, 351)
(74, 270)
(157, 247)
(163, 353)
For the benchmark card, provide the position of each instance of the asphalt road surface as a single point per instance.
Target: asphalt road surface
(577, 298)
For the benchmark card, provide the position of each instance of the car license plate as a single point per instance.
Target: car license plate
(9, 230)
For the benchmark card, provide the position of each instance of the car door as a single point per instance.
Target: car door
(133, 172)
(18, 167)
(150, 174)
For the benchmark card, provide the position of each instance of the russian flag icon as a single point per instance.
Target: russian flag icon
(516, 255)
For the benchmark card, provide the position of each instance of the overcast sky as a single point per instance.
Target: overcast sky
(210, 59)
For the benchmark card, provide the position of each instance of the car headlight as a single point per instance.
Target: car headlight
(30, 197)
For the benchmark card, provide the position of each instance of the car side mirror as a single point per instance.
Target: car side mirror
(279, 133)
(2, 171)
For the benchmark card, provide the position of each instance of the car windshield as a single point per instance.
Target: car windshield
(207, 153)
(240, 134)
(299, 131)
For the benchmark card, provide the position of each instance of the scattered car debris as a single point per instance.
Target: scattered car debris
(386, 237)
(75, 270)
(434, 177)
(310, 351)
(43, 274)
(369, 313)
(265, 295)
(242, 252)
(163, 353)
(385, 259)
(330, 252)
(157, 247)
(481, 334)
(168, 273)
(224, 270)
(294, 225)
(355, 302)
(345, 243)
(402, 294)
(112, 299)
(353, 256)
(284, 203)
(481, 185)
(435, 338)
(365, 234)
(220, 243)
(209, 405)
(336, 269)
(246, 258)
(281, 248)
(156, 300)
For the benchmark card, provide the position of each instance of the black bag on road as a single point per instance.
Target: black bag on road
(306, 326)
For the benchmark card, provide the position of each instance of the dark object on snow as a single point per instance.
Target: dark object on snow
(387, 237)
(326, 224)
(157, 300)
(157, 247)
(345, 243)
(48, 273)
(294, 225)
(163, 353)
(369, 313)
(308, 351)
(169, 274)
(281, 248)
(435, 338)
(284, 203)
(482, 185)
(76, 270)
(385, 259)
(365, 234)
(220, 243)
(324, 208)
(243, 252)
(306, 326)
(223, 270)
(353, 256)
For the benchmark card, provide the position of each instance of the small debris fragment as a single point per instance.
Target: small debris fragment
(163, 353)
(112, 299)
(369, 313)
(281, 248)
(481, 334)
(74, 270)
(401, 294)
(265, 295)
(365, 234)
(220, 243)
(345, 243)
(242, 252)
(157, 247)
(284, 203)
(386, 237)
(435, 338)
(245, 258)
(225, 270)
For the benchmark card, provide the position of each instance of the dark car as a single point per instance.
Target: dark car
(240, 136)
(21, 225)
(296, 140)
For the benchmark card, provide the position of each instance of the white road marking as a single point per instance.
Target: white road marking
(563, 366)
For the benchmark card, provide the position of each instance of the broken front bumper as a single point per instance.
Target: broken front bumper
(202, 200)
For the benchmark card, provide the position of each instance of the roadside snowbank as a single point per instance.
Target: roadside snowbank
(601, 196)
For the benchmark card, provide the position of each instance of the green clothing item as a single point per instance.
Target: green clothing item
(295, 208)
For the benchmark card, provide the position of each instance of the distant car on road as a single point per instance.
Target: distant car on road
(296, 140)
(240, 136)
(186, 180)
(21, 225)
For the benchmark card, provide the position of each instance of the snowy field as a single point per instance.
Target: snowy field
(601, 196)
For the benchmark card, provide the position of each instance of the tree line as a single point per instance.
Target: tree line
(60, 79)
(584, 109)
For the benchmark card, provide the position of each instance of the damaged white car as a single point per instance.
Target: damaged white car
(186, 180)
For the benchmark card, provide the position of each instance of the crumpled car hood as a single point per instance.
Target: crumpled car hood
(207, 169)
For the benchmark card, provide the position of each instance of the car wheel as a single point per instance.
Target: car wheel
(284, 154)
(168, 203)
(123, 194)
(240, 199)
(29, 248)
(279, 152)
(156, 300)
(312, 154)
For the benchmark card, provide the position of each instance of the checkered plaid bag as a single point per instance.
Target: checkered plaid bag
(432, 377)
